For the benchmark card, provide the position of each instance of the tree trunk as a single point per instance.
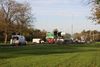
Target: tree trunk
(5, 38)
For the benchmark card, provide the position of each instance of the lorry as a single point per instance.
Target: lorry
(50, 38)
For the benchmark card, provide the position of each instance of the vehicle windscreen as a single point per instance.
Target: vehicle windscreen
(15, 38)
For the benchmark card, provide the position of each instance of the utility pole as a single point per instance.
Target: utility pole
(72, 26)
(72, 31)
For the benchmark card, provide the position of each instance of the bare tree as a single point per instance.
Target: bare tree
(14, 16)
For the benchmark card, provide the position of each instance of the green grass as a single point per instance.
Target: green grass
(80, 55)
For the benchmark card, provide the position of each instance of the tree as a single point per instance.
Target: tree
(95, 11)
(97, 1)
(14, 16)
(59, 34)
(55, 32)
(77, 36)
(67, 36)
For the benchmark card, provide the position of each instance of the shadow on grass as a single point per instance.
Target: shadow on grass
(6, 53)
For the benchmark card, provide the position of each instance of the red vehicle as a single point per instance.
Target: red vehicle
(51, 40)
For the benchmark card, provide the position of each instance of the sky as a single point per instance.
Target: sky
(69, 16)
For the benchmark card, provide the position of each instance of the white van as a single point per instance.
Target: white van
(36, 40)
(18, 39)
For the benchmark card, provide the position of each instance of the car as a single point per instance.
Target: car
(68, 41)
(60, 41)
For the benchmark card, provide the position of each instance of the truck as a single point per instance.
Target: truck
(50, 38)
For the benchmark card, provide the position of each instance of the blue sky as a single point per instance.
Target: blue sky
(62, 14)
